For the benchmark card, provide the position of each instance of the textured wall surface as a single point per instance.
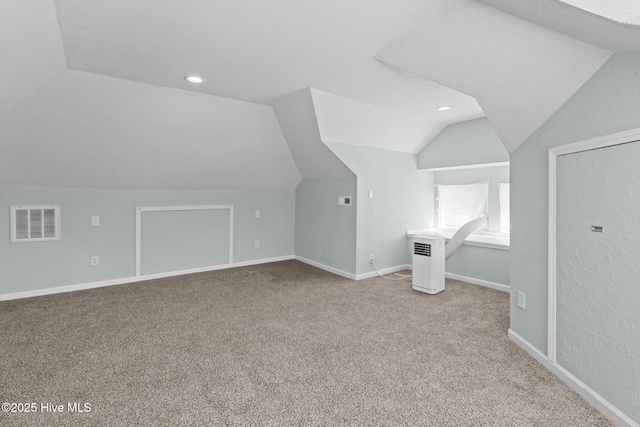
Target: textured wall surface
(38, 265)
(598, 274)
(606, 104)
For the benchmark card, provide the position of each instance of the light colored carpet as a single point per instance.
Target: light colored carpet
(281, 344)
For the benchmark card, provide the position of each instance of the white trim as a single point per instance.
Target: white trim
(125, 280)
(139, 210)
(590, 144)
(600, 142)
(602, 405)
(326, 268)
(483, 239)
(351, 275)
(479, 282)
(551, 254)
(475, 166)
(388, 270)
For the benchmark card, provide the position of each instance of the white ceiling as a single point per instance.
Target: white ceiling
(256, 51)
(592, 21)
(623, 11)
(92, 92)
(519, 72)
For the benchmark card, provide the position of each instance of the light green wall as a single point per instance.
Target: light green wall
(325, 232)
(482, 263)
(38, 265)
(403, 199)
(606, 104)
(476, 262)
(465, 143)
(183, 240)
(598, 273)
(495, 175)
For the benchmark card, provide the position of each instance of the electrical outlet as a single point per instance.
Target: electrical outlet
(95, 260)
(257, 243)
(95, 221)
(371, 258)
(521, 299)
(257, 214)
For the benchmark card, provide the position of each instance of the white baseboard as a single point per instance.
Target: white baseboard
(351, 275)
(480, 282)
(326, 268)
(124, 280)
(384, 271)
(602, 405)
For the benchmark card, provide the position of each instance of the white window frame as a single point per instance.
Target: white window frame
(504, 195)
(29, 239)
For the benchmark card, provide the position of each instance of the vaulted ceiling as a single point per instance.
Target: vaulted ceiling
(93, 92)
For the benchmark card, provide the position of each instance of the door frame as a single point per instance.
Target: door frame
(141, 209)
(591, 144)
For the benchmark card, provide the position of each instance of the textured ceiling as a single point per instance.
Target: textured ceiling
(92, 92)
(623, 11)
(598, 29)
(258, 51)
(519, 72)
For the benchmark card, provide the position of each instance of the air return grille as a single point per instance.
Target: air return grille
(423, 249)
(35, 223)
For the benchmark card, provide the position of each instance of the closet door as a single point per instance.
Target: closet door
(598, 271)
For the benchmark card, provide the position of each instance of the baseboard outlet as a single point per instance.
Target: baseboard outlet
(326, 268)
(125, 280)
(602, 405)
(389, 270)
(479, 282)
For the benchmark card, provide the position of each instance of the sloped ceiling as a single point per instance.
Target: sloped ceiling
(608, 24)
(347, 121)
(30, 50)
(519, 72)
(93, 92)
(93, 131)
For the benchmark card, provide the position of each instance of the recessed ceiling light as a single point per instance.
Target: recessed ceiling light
(444, 108)
(194, 79)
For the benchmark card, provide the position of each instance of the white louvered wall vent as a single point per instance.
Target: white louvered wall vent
(35, 223)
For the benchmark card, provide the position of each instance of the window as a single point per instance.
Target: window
(35, 223)
(505, 214)
(459, 204)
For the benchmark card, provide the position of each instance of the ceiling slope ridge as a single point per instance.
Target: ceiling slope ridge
(575, 22)
(297, 117)
(519, 72)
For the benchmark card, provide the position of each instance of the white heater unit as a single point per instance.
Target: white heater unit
(428, 264)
